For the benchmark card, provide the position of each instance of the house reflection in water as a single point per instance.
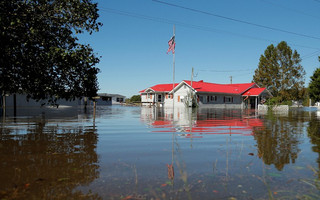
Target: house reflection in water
(196, 123)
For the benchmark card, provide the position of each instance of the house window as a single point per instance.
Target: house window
(119, 99)
(213, 98)
(106, 98)
(201, 98)
(228, 99)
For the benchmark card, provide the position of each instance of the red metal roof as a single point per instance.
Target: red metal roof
(245, 89)
(201, 86)
(254, 92)
(161, 87)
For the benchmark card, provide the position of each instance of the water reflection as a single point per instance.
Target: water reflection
(172, 154)
(314, 135)
(42, 158)
(278, 135)
(278, 143)
(196, 123)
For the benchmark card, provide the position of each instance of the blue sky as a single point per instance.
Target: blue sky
(134, 38)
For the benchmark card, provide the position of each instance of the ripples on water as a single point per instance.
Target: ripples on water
(122, 152)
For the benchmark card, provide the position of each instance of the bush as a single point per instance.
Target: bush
(135, 98)
(276, 101)
(272, 101)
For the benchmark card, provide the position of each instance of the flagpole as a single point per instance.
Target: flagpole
(174, 34)
(172, 156)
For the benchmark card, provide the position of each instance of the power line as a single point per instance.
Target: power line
(224, 71)
(203, 28)
(292, 10)
(316, 53)
(236, 20)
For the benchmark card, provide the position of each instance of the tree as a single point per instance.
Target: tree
(281, 73)
(135, 98)
(40, 54)
(314, 85)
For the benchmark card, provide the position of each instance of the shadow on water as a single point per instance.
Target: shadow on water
(47, 156)
(141, 153)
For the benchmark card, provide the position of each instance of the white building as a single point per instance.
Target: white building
(244, 95)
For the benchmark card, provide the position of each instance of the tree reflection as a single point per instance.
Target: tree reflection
(47, 162)
(278, 142)
(314, 135)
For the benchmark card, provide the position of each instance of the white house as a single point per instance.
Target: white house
(204, 94)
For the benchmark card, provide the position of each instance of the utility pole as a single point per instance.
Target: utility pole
(190, 98)
(230, 79)
(191, 77)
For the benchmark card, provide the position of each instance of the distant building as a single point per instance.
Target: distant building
(109, 99)
(117, 99)
(244, 95)
(20, 100)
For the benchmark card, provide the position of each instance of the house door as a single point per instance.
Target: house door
(159, 97)
(252, 103)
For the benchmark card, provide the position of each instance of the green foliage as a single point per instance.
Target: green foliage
(314, 85)
(305, 102)
(277, 101)
(281, 73)
(39, 53)
(272, 101)
(135, 98)
(286, 102)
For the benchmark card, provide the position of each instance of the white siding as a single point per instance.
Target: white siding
(180, 95)
(147, 99)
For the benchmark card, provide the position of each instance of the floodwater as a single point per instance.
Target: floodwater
(141, 153)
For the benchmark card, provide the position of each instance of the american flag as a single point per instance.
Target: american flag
(172, 45)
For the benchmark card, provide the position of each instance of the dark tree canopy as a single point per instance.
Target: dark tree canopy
(280, 72)
(40, 54)
(314, 85)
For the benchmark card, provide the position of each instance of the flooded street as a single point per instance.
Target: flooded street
(139, 153)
